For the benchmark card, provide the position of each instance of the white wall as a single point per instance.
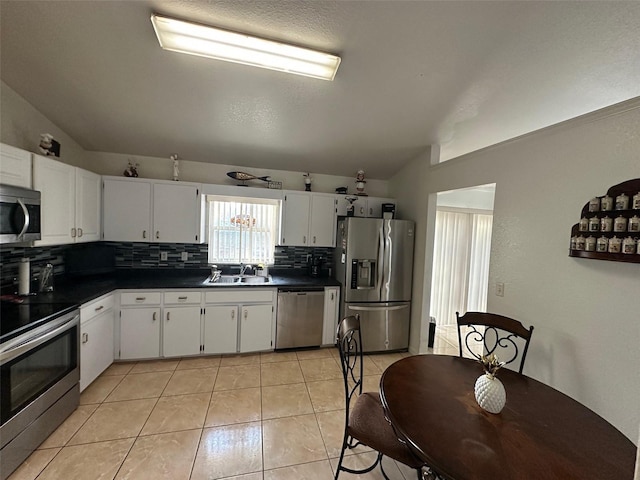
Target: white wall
(162, 168)
(586, 313)
(21, 125)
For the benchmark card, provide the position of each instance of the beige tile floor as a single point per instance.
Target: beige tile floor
(269, 416)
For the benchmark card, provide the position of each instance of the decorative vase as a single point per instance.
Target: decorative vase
(490, 393)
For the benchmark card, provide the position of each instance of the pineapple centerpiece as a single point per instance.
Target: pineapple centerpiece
(489, 391)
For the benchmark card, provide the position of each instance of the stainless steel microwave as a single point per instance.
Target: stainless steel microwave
(20, 214)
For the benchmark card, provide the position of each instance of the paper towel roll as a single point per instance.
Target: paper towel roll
(24, 277)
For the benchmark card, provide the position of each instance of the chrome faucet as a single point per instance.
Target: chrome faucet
(244, 268)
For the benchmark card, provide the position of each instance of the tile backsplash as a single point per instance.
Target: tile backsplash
(141, 255)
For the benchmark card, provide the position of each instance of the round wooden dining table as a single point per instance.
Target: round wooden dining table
(540, 434)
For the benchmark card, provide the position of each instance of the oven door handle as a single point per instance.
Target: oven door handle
(36, 340)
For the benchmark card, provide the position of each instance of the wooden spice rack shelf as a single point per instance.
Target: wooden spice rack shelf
(629, 188)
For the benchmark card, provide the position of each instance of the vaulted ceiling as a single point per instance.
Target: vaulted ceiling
(463, 75)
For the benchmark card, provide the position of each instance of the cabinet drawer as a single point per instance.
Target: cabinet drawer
(101, 305)
(182, 298)
(140, 298)
(243, 296)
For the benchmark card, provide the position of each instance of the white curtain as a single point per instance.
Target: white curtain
(460, 264)
(242, 231)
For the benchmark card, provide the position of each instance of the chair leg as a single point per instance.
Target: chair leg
(340, 468)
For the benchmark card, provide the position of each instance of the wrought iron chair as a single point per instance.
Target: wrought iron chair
(503, 336)
(365, 422)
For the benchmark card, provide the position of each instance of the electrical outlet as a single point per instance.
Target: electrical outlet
(500, 289)
(185, 256)
(164, 256)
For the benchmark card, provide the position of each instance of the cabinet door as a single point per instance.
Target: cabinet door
(96, 347)
(181, 334)
(221, 329)
(15, 166)
(256, 328)
(330, 322)
(374, 206)
(57, 183)
(322, 231)
(88, 206)
(295, 220)
(126, 211)
(139, 333)
(176, 213)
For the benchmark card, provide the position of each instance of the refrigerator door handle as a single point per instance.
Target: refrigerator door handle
(380, 266)
(371, 308)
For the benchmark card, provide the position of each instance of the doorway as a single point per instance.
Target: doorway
(461, 254)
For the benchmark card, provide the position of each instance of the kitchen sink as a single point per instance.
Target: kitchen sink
(237, 279)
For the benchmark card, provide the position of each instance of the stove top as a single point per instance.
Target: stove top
(18, 318)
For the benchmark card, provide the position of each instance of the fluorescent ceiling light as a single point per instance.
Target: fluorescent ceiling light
(204, 41)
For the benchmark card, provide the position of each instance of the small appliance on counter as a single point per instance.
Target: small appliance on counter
(315, 266)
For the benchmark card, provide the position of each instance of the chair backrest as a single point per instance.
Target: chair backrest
(501, 335)
(349, 342)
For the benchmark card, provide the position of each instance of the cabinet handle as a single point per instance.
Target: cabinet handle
(246, 313)
(140, 299)
(233, 314)
(153, 317)
(304, 239)
(314, 239)
(85, 337)
(182, 298)
(99, 308)
(371, 212)
(73, 233)
(168, 316)
(157, 234)
(332, 296)
(79, 232)
(144, 234)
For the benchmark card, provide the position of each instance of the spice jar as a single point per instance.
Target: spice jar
(583, 226)
(628, 245)
(590, 244)
(636, 201)
(580, 243)
(606, 203)
(634, 224)
(594, 204)
(620, 224)
(622, 201)
(602, 245)
(574, 241)
(606, 224)
(615, 244)
(594, 224)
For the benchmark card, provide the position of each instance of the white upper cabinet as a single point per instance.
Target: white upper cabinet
(88, 206)
(176, 213)
(138, 210)
(15, 166)
(308, 220)
(126, 212)
(70, 202)
(362, 206)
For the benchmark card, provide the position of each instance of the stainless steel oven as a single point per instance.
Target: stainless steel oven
(19, 214)
(39, 375)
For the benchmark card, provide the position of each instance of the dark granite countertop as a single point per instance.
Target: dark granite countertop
(70, 291)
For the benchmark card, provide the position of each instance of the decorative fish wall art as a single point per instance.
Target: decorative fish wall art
(244, 177)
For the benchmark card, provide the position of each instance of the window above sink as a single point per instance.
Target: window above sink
(242, 230)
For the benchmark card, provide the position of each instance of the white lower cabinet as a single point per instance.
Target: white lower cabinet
(96, 338)
(330, 325)
(220, 329)
(256, 325)
(186, 323)
(139, 333)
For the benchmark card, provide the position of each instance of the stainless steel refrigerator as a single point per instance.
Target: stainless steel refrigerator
(374, 263)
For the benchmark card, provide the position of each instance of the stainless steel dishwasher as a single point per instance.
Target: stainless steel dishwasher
(299, 317)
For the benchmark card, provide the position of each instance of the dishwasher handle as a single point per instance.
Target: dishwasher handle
(300, 291)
